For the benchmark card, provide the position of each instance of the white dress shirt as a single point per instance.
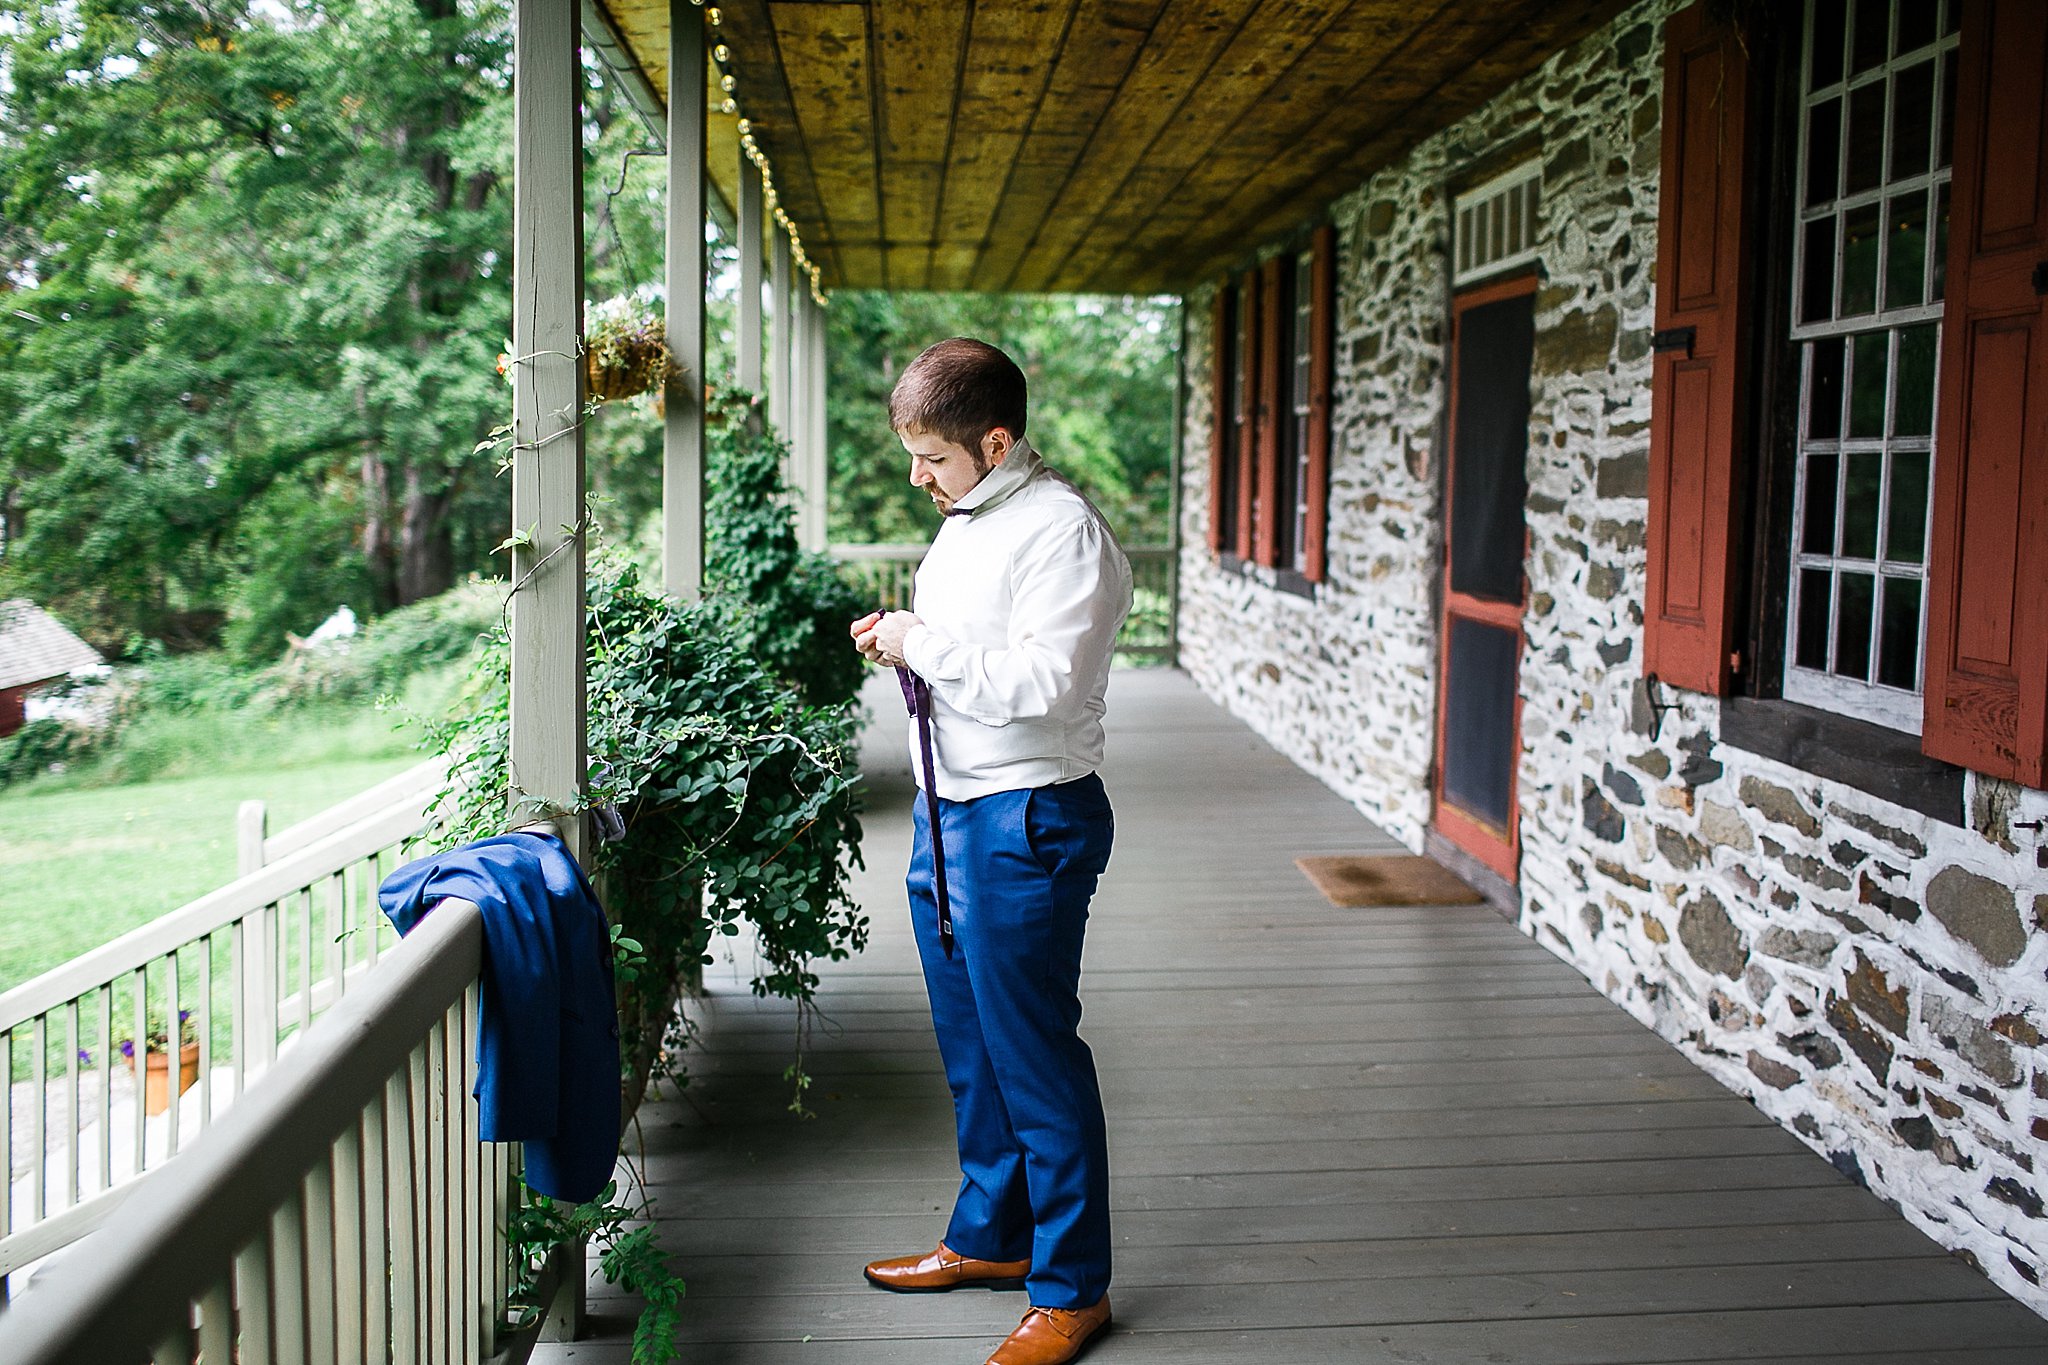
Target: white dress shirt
(1021, 595)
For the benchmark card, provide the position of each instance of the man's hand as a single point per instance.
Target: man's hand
(879, 636)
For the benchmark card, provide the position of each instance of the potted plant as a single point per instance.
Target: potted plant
(154, 1067)
(625, 345)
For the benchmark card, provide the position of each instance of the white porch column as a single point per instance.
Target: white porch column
(548, 715)
(817, 472)
(780, 293)
(682, 469)
(747, 342)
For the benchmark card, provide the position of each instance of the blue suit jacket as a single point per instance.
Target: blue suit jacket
(547, 1025)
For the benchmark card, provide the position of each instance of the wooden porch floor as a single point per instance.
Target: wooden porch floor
(1337, 1135)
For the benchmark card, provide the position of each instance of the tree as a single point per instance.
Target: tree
(1101, 371)
(258, 258)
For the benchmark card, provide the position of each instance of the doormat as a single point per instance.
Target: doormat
(1354, 882)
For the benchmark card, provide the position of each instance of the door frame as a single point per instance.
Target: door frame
(1498, 849)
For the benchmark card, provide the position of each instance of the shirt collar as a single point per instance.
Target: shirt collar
(1000, 482)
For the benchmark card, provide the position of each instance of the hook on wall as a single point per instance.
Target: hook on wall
(1652, 686)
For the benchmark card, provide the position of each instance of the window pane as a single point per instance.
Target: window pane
(1945, 122)
(1817, 297)
(1906, 520)
(1854, 602)
(1898, 646)
(1828, 23)
(1916, 24)
(1954, 13)
(1816, 606)
(1866, 392)
(1914, 413)
(1860, 229)
(1939, 285)
(1862, 475)
(1905, 262)
(1872, 35)
(1819, 538)
(1823, 151)
(1824, 389)
(1912, 119)
(1866, 138)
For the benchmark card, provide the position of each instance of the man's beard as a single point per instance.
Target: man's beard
(946, 504)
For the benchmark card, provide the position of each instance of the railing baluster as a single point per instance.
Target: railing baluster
(138, 1065)
(204, 1010)
(39, 1122)
(439, 1331)
(403, 1172)
(217, 1322)
(376, 1254)
(348, 1246)
(375, 912)
(7, 1144)
(306, 959)
(105, 1087)
(319, 1243)
(288, 1278)
(258, 1300)
(73, 1129)
(464, 1212)
(174, 1053)
(336, 947)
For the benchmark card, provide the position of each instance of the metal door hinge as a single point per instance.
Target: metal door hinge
(1675, 339)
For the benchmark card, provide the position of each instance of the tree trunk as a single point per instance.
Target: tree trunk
(426, 550)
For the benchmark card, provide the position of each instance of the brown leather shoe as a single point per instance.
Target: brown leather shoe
(945, 1268)
(1053, 1336)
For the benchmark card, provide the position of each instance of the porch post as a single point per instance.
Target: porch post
(780, 294)
(748, 340)
(818, 459)
(799, 410)
(548, 715)
(682, 470)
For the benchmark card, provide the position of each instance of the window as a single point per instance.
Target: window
(1269, 462)
(1882, 426)
(1496, 225)
(1870, 245)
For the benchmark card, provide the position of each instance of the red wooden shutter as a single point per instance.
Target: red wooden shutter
(1696, 384)
(1271, 409)
(1219, 418)
(1321, 380)
(1987, 616)
(1248, 312)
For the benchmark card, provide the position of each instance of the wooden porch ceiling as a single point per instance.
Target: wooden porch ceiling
(1093, 145)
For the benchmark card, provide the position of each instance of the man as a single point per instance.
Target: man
(1015, 616)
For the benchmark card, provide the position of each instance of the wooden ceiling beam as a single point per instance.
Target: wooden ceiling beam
(919, 50)
(827, 44)
(1101, 45)
(1012, 52)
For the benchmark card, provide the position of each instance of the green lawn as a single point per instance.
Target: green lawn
(82, 866)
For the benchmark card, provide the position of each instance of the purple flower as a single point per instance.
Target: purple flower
(184, 1015)
(85, 1056)
(128, 1048)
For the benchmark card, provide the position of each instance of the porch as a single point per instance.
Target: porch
(1338, 1134)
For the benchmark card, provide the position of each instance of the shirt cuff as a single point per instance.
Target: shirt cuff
(921, 646)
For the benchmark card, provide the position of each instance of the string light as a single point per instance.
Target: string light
(722, 54)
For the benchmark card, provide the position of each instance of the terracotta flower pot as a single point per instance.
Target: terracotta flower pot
(156, 1078)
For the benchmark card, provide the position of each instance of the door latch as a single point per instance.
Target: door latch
(1682, 338)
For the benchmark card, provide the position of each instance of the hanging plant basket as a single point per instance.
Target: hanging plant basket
(626, 349)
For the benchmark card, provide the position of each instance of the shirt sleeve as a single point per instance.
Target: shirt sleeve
(1069, 595)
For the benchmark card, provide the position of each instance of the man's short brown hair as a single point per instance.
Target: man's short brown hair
(960, 389)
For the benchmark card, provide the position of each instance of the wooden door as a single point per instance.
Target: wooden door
(1478, 741)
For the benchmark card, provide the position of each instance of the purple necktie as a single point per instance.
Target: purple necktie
(917, 700)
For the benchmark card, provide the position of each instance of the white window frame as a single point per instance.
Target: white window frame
(1300, 380)
(1893, 707)
(1496, 226)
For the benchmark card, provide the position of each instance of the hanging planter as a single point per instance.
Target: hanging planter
(625, 348)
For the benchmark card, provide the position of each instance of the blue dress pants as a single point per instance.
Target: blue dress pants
(1034, 1159)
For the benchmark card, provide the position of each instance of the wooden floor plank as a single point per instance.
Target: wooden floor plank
(1404, 1134)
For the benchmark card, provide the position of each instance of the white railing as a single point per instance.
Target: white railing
(885, 574)
(345, 1211)
(202, 999)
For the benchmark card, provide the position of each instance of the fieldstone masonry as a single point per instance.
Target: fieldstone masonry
(1873, 979)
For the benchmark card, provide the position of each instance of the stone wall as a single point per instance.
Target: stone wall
(1871, 977)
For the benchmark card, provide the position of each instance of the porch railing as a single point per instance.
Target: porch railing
(885, 573)
(345, 1211)
(202, 998)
